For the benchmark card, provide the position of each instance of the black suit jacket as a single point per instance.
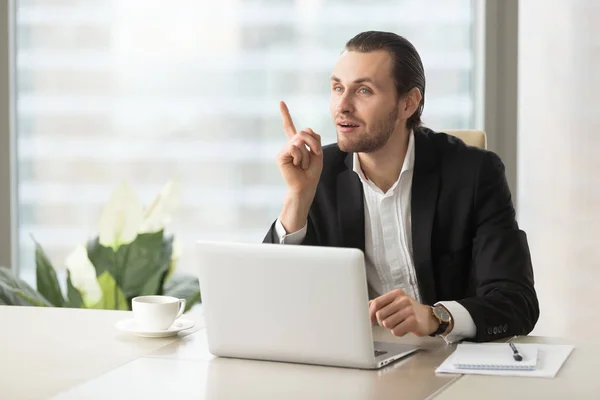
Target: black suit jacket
(467, 245)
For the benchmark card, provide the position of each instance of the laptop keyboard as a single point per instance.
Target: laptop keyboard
(378, 353)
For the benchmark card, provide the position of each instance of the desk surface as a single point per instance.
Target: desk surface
(45, 350)
(185, 370)
(79, 354)
(577, 379)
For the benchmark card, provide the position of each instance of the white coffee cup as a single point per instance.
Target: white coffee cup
(155, 313)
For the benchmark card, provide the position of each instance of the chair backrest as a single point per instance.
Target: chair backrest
(471, 137)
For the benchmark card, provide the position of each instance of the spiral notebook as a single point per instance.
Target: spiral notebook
(493, 356)
(539, 360)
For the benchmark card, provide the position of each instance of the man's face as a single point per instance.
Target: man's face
(364, 101)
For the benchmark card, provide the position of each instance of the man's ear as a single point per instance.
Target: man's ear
(411, 102)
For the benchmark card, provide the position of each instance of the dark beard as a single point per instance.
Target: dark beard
(374, 140)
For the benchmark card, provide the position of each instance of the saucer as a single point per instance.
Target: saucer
(129, 325)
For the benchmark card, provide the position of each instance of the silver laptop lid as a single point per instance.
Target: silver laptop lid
(285, 303)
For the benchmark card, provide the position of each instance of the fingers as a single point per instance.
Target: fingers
(382, 301)
(378, 303)
(374, 307)
(288, 124)
(372, 311)
(399, 304)
(385, 312)
(408, 325)
(312, 140)
(387, 298)
(299, 151)
(305, 162)
(393, 320)
(296, 154)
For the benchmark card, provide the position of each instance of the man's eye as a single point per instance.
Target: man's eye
(338, 89)
(365, 91)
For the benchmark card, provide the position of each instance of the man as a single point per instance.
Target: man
(434, 217)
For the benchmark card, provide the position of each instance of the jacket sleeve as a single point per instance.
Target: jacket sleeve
(505, 301)
(309, 240)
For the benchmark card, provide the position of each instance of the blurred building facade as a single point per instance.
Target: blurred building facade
(146, 91)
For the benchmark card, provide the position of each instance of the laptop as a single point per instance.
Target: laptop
(288, 303)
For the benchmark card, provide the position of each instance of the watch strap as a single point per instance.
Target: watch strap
(443, 324)
(441, 329)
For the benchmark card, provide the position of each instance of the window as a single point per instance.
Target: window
(142, 91)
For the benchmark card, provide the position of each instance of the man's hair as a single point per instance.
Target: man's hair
(407, 68)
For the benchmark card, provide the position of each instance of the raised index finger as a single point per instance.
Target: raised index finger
(288, 124)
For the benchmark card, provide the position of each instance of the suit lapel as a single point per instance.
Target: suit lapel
(424, 196)
(350, 206)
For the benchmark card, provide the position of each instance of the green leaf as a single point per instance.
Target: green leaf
(141, 265)
(154, 284)
(100, 256)
(184, 287)
(74, 299)
(108, 286)
(16, 292)
(34, 302)
(47, 283)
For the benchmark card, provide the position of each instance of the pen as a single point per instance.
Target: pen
(516, 354)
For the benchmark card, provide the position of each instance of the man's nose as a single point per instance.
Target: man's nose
(345, 105)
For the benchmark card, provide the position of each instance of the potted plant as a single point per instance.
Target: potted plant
(130, 256)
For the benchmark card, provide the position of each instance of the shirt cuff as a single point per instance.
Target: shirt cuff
(464, 326)
(291, 238)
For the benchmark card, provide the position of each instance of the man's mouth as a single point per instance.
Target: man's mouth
(348, 125)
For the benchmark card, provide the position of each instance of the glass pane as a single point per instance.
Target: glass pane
(140, 91)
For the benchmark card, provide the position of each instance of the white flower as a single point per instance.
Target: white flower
(158, 215)
(83, 276)
(121, 218)
(177, 249)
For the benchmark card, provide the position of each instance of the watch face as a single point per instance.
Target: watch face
(442, 314)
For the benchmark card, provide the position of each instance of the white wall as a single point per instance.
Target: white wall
(559, 157)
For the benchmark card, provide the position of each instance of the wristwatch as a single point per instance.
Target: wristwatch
(443, 316)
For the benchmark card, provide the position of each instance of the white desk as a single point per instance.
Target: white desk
(577, 379)
(78, 354)
(46, 350)
(186, 370)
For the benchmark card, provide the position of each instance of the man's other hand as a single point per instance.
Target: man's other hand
(402, 314)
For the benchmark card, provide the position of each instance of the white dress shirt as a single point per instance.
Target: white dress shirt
(388, 242)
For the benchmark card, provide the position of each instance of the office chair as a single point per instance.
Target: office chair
(471, 137)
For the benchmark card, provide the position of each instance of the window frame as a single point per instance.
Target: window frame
(8, 149)
(500, 79)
